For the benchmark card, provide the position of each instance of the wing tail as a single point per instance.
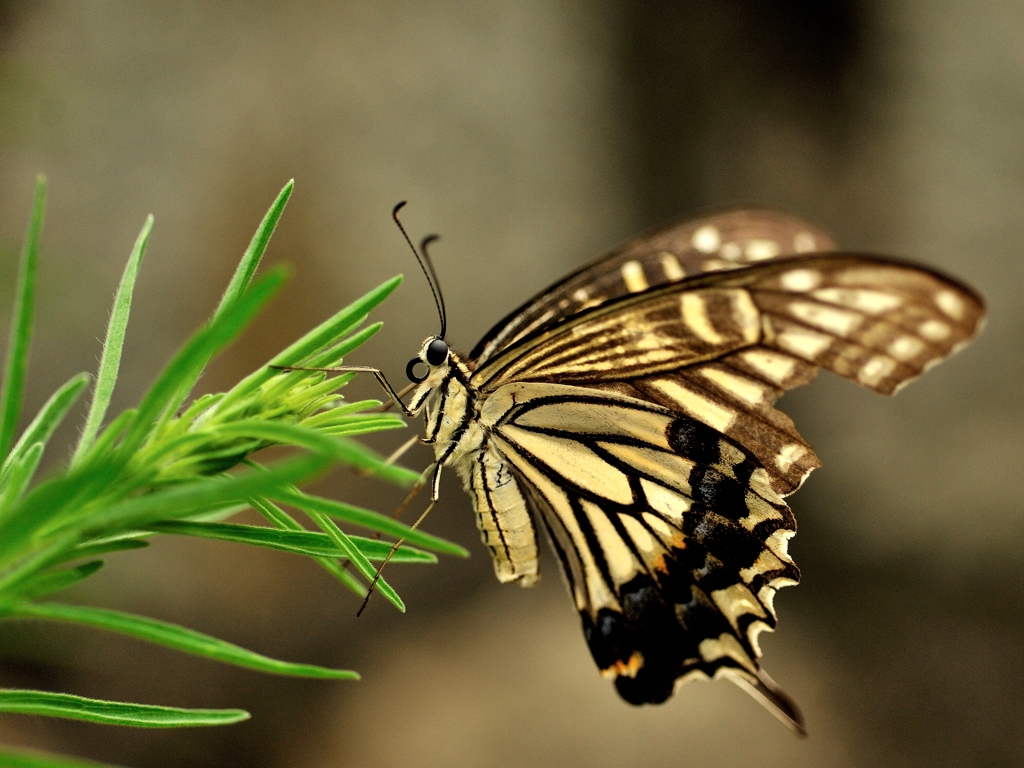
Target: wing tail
(767, 693)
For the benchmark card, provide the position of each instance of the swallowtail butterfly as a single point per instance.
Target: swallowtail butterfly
(627, 411)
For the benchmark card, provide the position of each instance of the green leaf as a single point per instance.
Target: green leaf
(254, 253)
(364, 426)
(113, 712)
(34, 759)
(103, 547)
(193, 357)
(367, 518)
(361, 457)
(282, 433)
(298, 542)
(201, 495)
(333, 355)
(48, 419)
(324, 334)
(53, 581)
(357, 558)
(16, 481)
(172, 636)
(281, 519)
(21, 324)
(240, 280)
(113, 432)
(48, 500)
(110, 359)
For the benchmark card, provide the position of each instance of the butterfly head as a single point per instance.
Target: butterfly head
(434, 354)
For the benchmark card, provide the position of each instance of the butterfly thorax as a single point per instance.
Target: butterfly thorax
(450, 412)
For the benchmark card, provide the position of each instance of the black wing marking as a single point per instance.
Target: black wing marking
(665, 255)
(673, 544)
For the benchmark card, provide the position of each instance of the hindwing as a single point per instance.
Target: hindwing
(670, 535)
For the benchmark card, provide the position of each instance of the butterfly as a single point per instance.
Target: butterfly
(628, 412)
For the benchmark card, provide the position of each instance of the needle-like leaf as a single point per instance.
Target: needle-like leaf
(110, 359)
(172, 636)
(113, 712)
(21, 324)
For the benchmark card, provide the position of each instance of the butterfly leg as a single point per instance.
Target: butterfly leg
(383, 407)
(435, 486)
(401, 450)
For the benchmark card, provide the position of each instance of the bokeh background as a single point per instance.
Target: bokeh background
(533, 135)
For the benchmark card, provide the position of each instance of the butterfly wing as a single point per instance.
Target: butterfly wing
(644, 435)
(670, 535)
(665, 255)
(722, 347)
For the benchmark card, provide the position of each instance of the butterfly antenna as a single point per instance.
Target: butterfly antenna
(427, 267)
(438, 297)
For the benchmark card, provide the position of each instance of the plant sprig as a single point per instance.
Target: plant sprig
(166, 468)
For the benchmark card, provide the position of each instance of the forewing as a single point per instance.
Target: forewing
(671, 537)
(666, 255)
(721, 348)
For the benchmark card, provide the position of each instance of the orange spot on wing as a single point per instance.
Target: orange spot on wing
(628, 668)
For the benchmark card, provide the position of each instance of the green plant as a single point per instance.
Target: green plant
(165, 468)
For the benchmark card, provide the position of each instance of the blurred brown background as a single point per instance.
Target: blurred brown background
(534, 135)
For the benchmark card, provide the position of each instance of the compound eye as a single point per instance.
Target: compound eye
(437, 352)
(411, 373)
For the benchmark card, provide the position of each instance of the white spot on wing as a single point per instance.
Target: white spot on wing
(905, 347)
(771, 365)
(861, 299)
(950, 303)
(801, 280)
(706, 239)
(580, 295)
(765, 563)
(789, 454)
(804, 342)
(759, 250)
(837, 321)
(778, 543)
(633, 276)
(934, 330)
(753, 631)
(876, 369)
(731, 251)
(759, 511)
(803, 242)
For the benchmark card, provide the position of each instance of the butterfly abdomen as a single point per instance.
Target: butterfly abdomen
(501, 515)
